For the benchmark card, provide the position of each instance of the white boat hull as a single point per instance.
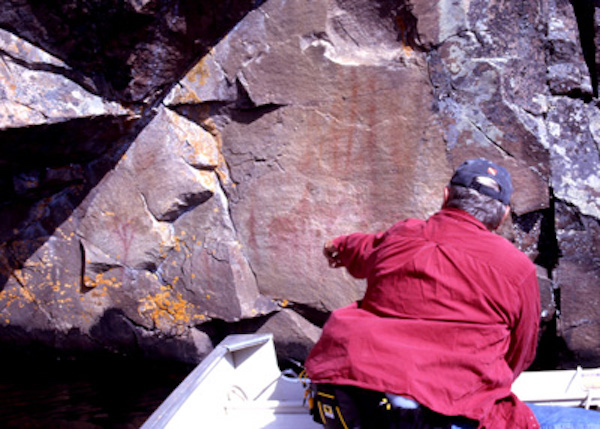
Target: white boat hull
(239, 385)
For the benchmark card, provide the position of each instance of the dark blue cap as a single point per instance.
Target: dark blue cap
(473, 173)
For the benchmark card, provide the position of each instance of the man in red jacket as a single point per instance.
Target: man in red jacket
(449, 319)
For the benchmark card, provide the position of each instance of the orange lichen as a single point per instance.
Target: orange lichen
(199, 72)
(20, 276)
(166, 308)
(212, 128)
(100, 280)
(19, 296)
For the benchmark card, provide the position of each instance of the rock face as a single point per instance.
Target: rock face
(172, 180)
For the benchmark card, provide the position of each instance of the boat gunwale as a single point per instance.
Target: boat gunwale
(232, 343)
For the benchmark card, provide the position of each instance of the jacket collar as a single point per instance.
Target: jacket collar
(461, 215)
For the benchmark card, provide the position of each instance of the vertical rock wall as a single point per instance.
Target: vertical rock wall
(173, 180)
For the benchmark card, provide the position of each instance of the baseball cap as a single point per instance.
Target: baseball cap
(476, 174)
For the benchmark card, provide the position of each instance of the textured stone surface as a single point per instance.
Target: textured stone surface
(490, 87)
(340, 131)
(578, 277)
(293, 334)
(35, 91)
(172, 180)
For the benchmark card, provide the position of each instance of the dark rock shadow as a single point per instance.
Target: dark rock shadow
(124, 50)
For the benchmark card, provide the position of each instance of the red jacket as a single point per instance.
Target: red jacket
(450, 318)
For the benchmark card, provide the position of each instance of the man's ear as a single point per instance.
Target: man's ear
(506, 213)
(446, 194)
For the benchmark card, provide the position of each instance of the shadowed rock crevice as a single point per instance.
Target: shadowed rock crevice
(585, 13)
(406, 24)
(76, 141)
(549, 251)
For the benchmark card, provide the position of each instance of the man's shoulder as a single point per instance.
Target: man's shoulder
(407, 225)
(506, 254)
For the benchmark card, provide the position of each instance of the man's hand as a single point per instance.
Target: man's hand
(332, 253)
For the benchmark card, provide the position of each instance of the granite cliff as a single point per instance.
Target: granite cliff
(171, 168)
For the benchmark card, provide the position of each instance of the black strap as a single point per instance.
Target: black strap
(348, 407)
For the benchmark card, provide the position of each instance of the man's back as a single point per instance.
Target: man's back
(448, 268)
(449, 316)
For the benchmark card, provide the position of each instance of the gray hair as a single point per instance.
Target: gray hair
(487, 210)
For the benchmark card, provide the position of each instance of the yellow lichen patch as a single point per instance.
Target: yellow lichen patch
(212, 128)
(63, 235)
(18, 296)
(21, 276)
(166, 308)
(199, 73)
(177, 246)
(100, 280)
(29, 297)
(179, 241)
(98, 293)
(196, 146)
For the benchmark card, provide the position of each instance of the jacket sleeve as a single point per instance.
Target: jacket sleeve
(355, 252)
(524, 336)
